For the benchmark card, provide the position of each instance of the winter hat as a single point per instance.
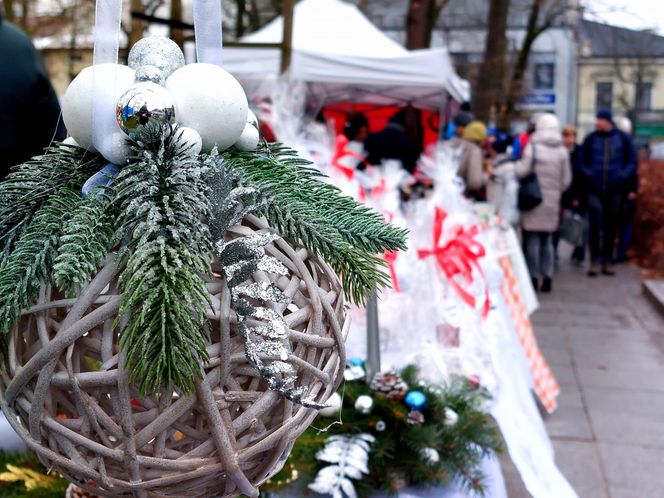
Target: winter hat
(605, 114)
(547, 121)
(463, 118)
(475, 132)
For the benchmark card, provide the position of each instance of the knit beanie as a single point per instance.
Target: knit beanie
(547, 121)
(475, 132)
(463, 118)
(605, 114)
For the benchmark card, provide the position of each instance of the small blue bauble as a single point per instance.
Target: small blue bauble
(356, 362)
(415, 400)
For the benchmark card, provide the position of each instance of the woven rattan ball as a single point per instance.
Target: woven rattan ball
(64, 389)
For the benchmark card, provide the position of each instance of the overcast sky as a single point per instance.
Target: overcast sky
(635, 14)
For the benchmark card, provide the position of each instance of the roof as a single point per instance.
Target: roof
(605, 41)
(334, 43)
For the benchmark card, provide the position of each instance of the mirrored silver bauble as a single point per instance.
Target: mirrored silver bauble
(144, 104)
(150, 73)
(364, 404)
(156, 51)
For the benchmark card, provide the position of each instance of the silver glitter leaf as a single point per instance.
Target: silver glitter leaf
(349, 456)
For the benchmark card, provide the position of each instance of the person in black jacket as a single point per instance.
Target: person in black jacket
(608, 166)
(393, 142)
(30, 112)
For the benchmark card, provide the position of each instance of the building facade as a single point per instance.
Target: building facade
(621, 70)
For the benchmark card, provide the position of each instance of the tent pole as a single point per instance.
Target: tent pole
(287, 40)
(373, 336)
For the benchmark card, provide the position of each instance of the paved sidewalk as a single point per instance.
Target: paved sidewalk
(605, 343)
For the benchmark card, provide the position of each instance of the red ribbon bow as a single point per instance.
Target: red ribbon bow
(458, 257)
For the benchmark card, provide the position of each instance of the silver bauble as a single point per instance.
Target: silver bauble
(156, 51)
(333, 406)
(430, 455)
(144, 104)
(451, 417)
(150, 73)
(364, 404)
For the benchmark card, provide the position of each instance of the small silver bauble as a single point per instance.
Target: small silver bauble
(430, 455)
(156, 51)
(144, 104)
(333, 406)
(381, 426)
(150, 73)
(451, 417)
(364, 404)
(354, 372)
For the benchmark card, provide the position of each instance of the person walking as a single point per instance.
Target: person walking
(30, 112)
(574, 197)
(608, 165)
(393, 142)
(471, 161)
(546, 155)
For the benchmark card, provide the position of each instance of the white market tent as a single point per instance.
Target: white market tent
(344, 57)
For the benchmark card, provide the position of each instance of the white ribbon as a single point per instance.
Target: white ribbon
(207, 28)
(106, 47)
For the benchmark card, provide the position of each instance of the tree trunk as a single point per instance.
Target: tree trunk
(515, 91)
(419, 23)
(9, 9)
(25, 15)
(176, 15)
(137, 26)
(492, 72)
(239, 18)
(254, 18)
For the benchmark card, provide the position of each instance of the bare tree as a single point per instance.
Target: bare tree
(420, 21)
(9, 9)
(542, 15)
(492, 72)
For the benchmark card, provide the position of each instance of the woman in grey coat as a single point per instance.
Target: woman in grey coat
(547, 154)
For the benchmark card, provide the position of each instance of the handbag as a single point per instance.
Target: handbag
(530, 194)
(572, 228)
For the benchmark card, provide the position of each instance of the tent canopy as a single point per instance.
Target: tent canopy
(348, 58)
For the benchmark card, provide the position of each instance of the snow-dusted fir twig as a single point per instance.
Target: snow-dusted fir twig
(349, 456)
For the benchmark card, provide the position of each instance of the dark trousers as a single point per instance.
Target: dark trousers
(603, 218)
(539, 253)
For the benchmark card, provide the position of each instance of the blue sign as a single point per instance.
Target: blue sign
(539, 99)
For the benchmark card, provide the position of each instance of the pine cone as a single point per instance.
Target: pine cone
(390, 384)
(76, 492)
(415, 418)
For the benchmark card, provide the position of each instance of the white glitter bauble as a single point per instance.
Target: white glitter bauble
(150, 73)
(333, 408)
(189, 139)
(451, 417)
(211, 101)
(430, 455)
(157, 51)
(364, 404)
(77, 100)
(116, 147)
(249, 138)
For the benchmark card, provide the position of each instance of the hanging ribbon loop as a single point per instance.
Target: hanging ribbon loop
(208, 31)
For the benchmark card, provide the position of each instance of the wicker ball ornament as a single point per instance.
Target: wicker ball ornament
(65, 391)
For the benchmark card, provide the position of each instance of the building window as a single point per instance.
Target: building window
(603, 95)
(544, 76)
(643, 96)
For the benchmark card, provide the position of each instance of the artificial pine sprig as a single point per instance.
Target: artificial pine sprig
(32, 183)
(30, 263)
(86, 241)
(315, 214)
(400, 449)
(162, 198)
